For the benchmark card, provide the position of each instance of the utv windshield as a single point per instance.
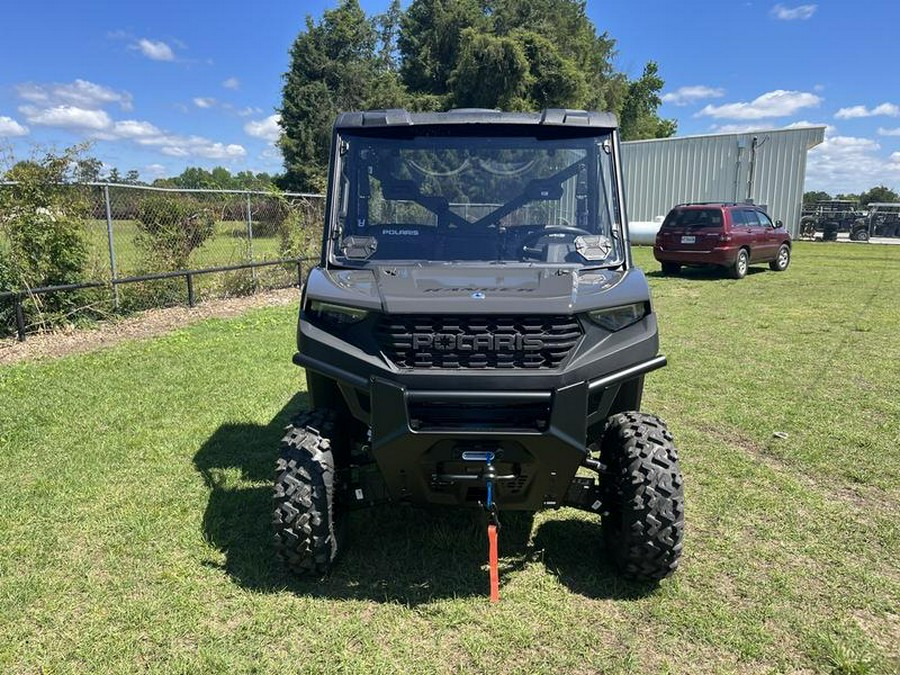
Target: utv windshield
(459, 198)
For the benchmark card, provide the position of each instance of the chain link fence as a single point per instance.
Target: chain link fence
(139, 247)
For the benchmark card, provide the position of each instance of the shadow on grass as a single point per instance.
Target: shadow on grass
(395, 553)
(705, 273)
(573, 551)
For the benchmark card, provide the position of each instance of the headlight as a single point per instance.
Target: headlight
(336, 315)
(617, 318)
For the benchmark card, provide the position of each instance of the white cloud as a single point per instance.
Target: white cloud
(67, 117)
(778, 103)
(175, 151)
(80, 93)
(134, 129)
(270, 153)
(204, 101)
(829, 129)
(736, 128)
(849, 164)
(757, 126)
(801, 12)
(155, 170)
(9, 127)
(852, 143)
(856, 111)
(155, 50)
(692, 94)
(232, 83)
(221, 151)
(250, 110)
(201, 147)
(888, 132)
(97, 124)
(267, 129)
(176, 145)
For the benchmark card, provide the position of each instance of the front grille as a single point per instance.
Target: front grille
(478, 342)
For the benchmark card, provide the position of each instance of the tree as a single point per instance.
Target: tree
(638, 118)
(87, 170)
(334, 67)
(508, 54)
(850, 197)
(132, 177)
(388, 27)
(430, 41)
(491, 72)
(878, 194)
(810, 199)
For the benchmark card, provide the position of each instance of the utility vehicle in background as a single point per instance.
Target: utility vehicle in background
(829, 217)
(476, 334)
(882, 219)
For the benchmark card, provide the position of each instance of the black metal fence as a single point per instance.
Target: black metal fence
(148, 247)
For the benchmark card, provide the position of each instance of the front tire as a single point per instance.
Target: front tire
(308, 517)
(782, 260)
(643, 496)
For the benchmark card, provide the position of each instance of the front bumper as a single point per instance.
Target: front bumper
(538, 436)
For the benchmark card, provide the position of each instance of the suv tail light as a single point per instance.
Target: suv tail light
(725, 237)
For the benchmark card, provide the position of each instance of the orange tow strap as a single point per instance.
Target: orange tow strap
(492, 563)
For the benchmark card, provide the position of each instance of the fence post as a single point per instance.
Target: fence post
(250, 240)
(20, 318)
(190, 289)
(112, 249)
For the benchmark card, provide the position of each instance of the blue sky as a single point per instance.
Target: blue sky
(162, 86)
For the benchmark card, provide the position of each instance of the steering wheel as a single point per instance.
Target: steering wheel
(529, 246)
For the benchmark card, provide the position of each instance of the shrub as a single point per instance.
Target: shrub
(171, 228)
(269, 215)
(300, 232)
(42, 223)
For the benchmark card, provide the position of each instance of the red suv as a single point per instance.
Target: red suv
(733, 236)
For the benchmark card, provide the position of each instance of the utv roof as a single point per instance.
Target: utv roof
(398, 117)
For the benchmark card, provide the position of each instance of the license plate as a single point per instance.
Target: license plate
(691, 239)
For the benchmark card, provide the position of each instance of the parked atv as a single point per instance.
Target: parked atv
(475, 333)
(829, 217)
(882, 220)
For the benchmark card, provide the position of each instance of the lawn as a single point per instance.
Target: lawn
(227, 246)
(134, 514)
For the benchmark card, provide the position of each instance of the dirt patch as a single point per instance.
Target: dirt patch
(54, 344)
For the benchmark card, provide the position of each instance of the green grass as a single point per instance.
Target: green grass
(134, 513)
(227, 246)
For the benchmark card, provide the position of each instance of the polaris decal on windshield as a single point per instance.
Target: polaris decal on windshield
(401, 233)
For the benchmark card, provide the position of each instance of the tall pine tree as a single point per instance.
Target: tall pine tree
(508, 54)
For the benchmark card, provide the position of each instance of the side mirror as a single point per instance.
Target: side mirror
(779, 224)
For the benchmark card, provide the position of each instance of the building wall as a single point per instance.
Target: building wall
(663, 172)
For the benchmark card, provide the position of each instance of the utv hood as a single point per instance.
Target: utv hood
(488, 289)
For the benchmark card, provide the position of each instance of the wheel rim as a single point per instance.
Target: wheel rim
(742, 263)
(783, 257)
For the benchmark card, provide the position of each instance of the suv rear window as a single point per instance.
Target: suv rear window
(694, 218)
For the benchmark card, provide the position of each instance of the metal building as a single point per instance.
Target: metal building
(768, 167)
